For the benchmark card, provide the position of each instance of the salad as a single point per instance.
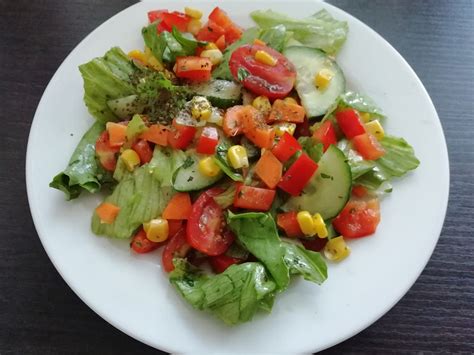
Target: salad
(240, 154)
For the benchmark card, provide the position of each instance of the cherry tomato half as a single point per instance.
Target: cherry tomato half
(176, 247)
(206, 231)
(272, 81)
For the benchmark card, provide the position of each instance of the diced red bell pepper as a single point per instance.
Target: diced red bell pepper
(208, 141)
(368, 146)
(105, 152)
(286, 147)
(350, 123)
(220, 17)
(253, 198)
(359, 191)
(232, 34)
(298, 175)
(210, 32)
(325, 134)
(180, 136)
(359, 218)
(289, 223)
(220, 263)
(193, 68)
(176, 19)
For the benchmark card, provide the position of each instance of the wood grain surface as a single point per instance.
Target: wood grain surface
(39, 314)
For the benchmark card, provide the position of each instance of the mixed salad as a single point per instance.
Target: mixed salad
(236, 151)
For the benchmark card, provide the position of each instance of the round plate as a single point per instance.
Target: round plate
(132, 292)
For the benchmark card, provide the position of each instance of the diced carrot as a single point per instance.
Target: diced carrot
(259, 42)
(286, 111)
(107, 212)
(117, 134)
(256, 130)
(179, 207)
(220, 43)
(157, 134)
(269, 169)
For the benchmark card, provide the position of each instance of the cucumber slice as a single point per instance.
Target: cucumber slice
(308, 62)
(188, 178)
(125, 107)
(220, 93)
(328, 190)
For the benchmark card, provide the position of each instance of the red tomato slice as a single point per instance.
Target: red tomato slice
(156, 15)
(359, 191)
(289, 223)
(143, 150)
(325, 134)
(205, 231)
(286, 147)
(349, 122)
(180, 136)
(177, 19)
(208, 141)
(141, 244)
(193, 68)
(232, 34)
(314, 244)
(368, 146)
(220, 263)
(105, 152)
(254, 198)
(298, 175)
(272, 81)
(359, 218)
(176, 247)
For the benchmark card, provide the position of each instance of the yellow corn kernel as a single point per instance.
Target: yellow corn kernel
(193, 13)
(201, 108)
(208, 167)
(336, 249)
(262, 103)
(323, 78)
(138, 55)
(151, 60)
(130, 158)
(290, 100)
(215, 55)
(211, 45)
(320, 226)
(194, 26)
(157, 230)
(364, 116)
(306, 223)
(282, 127)
(259, 42)
(375, 128)
(265, 58)
(237, 156)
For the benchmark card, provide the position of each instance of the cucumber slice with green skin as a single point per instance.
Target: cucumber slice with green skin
(220, 93)
(308, 62)
(328, 190)
(189, 178)
(125, 107)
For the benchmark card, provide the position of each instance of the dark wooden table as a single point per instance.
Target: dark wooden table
(39, 314)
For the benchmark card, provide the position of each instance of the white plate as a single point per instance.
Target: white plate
(132, 292)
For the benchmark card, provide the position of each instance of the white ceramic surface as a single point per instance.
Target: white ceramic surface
(132, 292)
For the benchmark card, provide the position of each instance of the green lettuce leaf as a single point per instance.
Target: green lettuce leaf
(141, 195)
(257, 233)
(359, 102)
(221, 160)
(398, 160)
(83, 171)
(275, 37)
(307, 263)
(234, 295)
(166, 46)
(320, 30)
(313, 149)
(106, 78)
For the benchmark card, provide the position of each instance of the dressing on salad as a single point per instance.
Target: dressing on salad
(237, 151)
